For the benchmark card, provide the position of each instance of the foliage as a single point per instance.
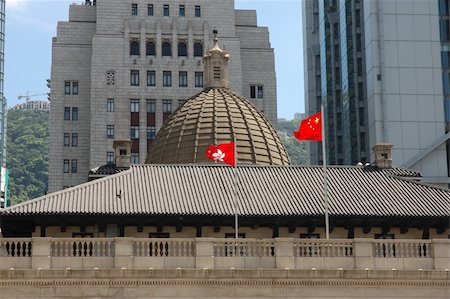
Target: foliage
(296, 149)
(27, 154)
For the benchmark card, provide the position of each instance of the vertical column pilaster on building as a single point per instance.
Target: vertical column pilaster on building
(143, 126)
(204, 250)
(441, 253)
(190, 41)
(41, 257)
(123, 253)
(174, 42)
(159, 114)
(143, 42)
(284, 253)
(363, 253)
(206, 32)
(158, 41)
(126, 35)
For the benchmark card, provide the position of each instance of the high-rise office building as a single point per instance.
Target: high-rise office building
(381, 68)
(119, 68)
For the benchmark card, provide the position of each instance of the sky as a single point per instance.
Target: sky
(31, 24)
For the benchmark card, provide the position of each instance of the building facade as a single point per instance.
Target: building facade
(376, 65)
(119, 69)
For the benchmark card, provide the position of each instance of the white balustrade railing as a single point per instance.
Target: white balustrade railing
(244, 247)
(322, 248)
(164, 247)
(17, 247)
(86, 247)
(402, 248)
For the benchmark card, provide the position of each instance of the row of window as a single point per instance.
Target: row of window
(68, 141)
(166, 49)
(166, 78)
(70, 166)
(150, 105)
(166, 10)
(134, 132)
(71, 113)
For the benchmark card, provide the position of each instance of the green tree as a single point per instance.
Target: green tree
(296, 149)
(27, 154)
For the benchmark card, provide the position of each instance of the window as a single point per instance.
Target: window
(66, 87)
(134, 48)
(166, 49)
(110, 105)
(182, 49)
(74, 166)
(216, 72)
(134, 105)
(151, 133)
(181, 102)
(110, 131)
(198, 79)
(134, 9)
(151, 106)
(74, 139)
(182, 11)
(151, 78)
(134, 78)
(198, 12)
(182, 79)
(256, 92)
(166, 10)
(75, 88)
(150, 49)
(135, 158)
(66, 166)
(66, 139)
(167, 106)
(66, 113)
(167, 78)
(74, 113)
(109, 157)
(198, 50)
(134, 132)
(150, 10)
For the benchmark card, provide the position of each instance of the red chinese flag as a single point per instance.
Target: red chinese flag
(310, 128)
(223, 153)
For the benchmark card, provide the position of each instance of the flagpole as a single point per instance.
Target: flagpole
(236, 202)
(324, 159)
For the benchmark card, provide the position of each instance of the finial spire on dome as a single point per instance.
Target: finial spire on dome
(216, 65)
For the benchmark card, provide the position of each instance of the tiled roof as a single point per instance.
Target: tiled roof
(106, 169)
(264, 190)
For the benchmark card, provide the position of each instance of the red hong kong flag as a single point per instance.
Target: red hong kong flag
(310, 128)
(223, 153)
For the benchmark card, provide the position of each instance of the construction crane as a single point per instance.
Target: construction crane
(28, 96)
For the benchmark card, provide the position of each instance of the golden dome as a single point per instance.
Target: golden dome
(215, 116)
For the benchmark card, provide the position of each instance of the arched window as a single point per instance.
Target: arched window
(182, 49)
(166, 49)
(134, 48)
(151, 50)
(198, 50)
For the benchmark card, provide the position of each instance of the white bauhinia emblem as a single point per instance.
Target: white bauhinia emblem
(218, 156)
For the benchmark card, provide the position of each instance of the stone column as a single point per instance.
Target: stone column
(204, 252)
(363, 253)
(123, 253)
(284, 253)
(40, 257)
(441, 253)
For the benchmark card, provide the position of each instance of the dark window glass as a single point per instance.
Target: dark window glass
(150, 49)
(134, 132)
(135, 158)
(134, 48)
(134, 78)
(198, 79)
(134, 105)
(198, 50)
(134, 9)
(167, 106)
(110, 131)
(181, 102)
(182, 11)
(260, 92)
(182, 49)
(446, 82)
(445, 57)
(74, 166)
(151, 106)
(150, 10)
(66, 87)
(198, 12)
(66, 166)
(167, 78)
(66, 139)
(75, 88)
(182, 79)
(151, 133)
(166, 49)
(443, 7)
(447, 110)
(109, 157)
(66, 113)
(444, 26)
(74, 139)
(74, 113)
(151, 78)
(166, 10)
(110, 105)
(252, 91)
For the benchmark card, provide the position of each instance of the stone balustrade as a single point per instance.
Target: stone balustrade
(217, 253)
